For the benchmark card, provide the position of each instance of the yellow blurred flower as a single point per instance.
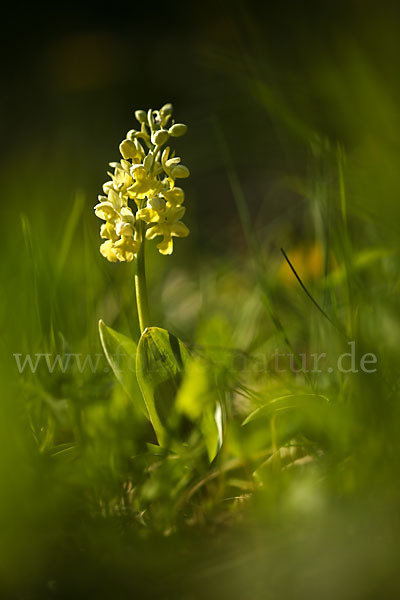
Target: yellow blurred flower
(308, 262)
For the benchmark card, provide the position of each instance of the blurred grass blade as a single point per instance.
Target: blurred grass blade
(69, 230)
(318, 306)
(120, 352)
(286, 403)
(27, 235)
(307, 414)
(213, 430)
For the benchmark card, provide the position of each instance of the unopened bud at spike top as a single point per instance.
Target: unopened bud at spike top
(177, 130)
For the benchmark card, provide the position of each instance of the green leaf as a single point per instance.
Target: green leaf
(120, 352)
(160, 360)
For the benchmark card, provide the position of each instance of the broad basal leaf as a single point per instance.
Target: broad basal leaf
(159, 364)
(120, 352)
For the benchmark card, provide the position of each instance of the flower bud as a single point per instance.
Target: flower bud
(180, 171)
(177, 130)
(128, 149)
(141, 116)
(172, 162)
(159, 138)
(166, 110)
(148, 162)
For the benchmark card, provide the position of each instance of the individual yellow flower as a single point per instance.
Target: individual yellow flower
(108, 232)
(106, 211)
(122, 179)
(167, 223)
(174, 196)
(172, 166)
(107, 250)
(126, 248)
(163, 214)
(145, 185)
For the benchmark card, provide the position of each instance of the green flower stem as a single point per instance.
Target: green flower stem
(142, 301)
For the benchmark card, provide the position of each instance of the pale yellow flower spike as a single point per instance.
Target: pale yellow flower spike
(146, 175)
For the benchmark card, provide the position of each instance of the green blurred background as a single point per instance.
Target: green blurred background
(292, 108)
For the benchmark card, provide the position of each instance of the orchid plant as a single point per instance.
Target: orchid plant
(141, 200)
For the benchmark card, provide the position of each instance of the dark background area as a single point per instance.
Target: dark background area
(73, 75)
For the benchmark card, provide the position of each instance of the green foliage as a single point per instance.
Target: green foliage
(120, 352)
